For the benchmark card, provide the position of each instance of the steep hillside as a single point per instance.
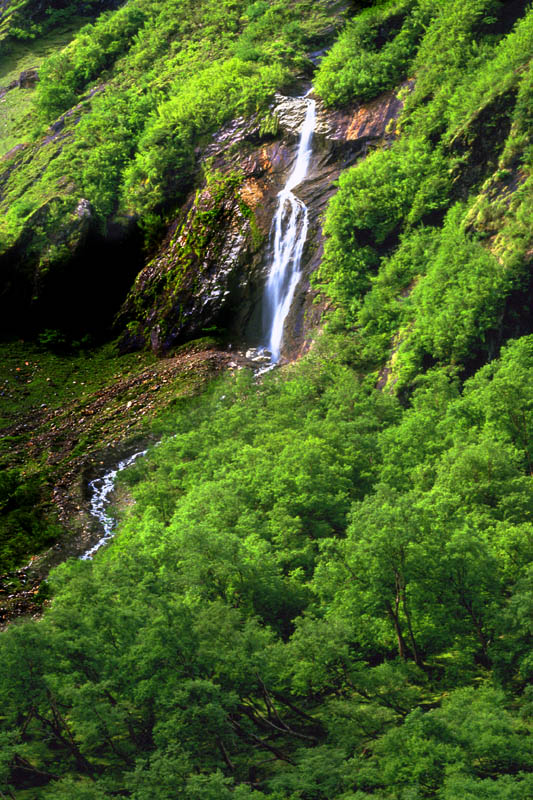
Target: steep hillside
(320, 586)
(118, 118)
(72, 243)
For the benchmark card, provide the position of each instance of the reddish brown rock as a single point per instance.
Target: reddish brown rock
(188, 287)
(367, 121)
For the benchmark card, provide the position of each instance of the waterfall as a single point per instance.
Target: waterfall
(287, 240)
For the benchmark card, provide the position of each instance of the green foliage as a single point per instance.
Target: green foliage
(365, 216)
(437, 294)
(313, 587)
(499, 74)
(454, 45)
(17, 108)
(165, 159)
(95, 49)
(29, 19)
(319, 592)
(23, 526)
(374, 52)
(460, 299)
(465, 743)
(148, 82)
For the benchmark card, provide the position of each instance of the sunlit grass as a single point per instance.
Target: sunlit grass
(17, 104)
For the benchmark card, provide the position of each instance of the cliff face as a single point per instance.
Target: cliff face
(115, 118)
(213, 263)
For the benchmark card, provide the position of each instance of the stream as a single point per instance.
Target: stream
(101, 491)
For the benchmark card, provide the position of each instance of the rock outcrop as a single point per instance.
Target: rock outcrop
(189, 284)
(212, 266)
(26, 80)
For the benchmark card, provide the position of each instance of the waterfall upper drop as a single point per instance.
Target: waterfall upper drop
(287, 240)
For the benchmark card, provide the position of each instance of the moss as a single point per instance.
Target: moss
(196, 246)
(17, 106)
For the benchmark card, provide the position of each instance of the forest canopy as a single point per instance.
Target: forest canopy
(323, 588)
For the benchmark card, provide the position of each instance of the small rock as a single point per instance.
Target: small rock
(28, 78)
(83, 209)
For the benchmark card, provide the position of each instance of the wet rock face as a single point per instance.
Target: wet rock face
(369, 121)
(213, 264)
(189, 284)
(290, 113)
(209, 270)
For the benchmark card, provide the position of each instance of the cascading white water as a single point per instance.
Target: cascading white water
(102, 488)
(287, 236)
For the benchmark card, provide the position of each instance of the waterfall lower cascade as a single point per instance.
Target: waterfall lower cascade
(287, 237)
(102, 489)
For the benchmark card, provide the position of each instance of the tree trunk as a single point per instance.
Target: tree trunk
(407, 613)
(393, 614)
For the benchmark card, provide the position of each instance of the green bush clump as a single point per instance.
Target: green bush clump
(96, 47)
(386, 307)
(501, 73)
(470, 97)
(459, 39)
(366, 215)
(373, 53)
(165, 157)
(460, 298)
(29, 19)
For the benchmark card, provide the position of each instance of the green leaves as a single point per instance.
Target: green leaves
(470, 738)
(283, 603)
(65, 74)
(164, 160)
(372, 54)
(374, 200)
